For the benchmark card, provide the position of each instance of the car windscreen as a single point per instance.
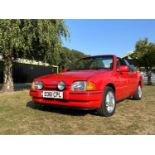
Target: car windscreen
(97, 62)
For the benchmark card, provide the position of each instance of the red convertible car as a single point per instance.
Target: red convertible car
(96, 82)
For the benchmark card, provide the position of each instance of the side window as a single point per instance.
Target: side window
(130, 66)
(120, 62)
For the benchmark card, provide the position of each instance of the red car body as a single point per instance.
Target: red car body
(120, 79)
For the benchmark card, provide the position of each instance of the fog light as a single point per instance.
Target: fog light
(61, 85)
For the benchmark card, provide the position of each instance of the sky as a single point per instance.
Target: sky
(101, 36)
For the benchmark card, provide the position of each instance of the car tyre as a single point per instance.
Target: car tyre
(138, 93)
(108, 104)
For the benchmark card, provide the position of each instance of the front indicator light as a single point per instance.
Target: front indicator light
(90, 86)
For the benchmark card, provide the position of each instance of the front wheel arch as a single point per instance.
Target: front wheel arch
(103, 110)
(112, 86)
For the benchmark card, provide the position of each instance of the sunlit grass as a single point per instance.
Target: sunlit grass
(18, 115)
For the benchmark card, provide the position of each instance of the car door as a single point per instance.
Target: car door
(122, 81)
(132, 75)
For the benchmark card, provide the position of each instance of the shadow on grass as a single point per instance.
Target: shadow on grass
(60, 110)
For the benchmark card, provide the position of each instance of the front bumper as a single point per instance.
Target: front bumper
(89, 99)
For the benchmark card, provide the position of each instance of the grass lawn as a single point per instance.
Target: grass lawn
(18, 115)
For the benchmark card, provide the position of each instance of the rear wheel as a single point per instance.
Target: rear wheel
(108, 104)
(138, 93)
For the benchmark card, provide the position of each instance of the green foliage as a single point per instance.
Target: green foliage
(10, 37)
(38, 40)
(35, 39)
(69, 56)
(145, 54)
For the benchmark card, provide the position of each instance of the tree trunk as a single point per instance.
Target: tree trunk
(7, 74)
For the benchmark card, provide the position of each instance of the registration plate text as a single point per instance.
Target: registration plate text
(53, 94)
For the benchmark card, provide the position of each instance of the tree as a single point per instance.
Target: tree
(68, 57)
(35, 39)
(145, 55)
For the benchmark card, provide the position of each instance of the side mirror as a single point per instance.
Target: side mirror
(123, 69)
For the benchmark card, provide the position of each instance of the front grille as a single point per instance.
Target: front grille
(50, 86)
(53, 87)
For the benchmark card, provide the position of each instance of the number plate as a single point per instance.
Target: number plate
(53, 94)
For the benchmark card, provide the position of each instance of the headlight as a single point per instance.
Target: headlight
(37, 85)
(79, 85)
(61, 85)
(83, 85)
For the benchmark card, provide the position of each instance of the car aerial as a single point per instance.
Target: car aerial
(96, 82)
